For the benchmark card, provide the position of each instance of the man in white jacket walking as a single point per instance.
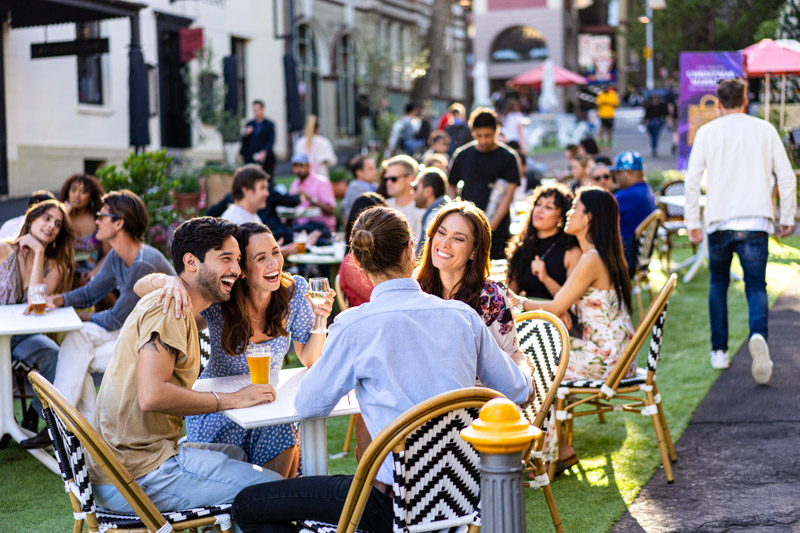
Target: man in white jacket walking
(740, 154)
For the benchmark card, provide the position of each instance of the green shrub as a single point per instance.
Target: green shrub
(340, 174)
(146, 175)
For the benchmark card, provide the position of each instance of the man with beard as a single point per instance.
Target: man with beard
(147, 388)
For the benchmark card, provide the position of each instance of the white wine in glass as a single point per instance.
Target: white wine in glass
(318, 290)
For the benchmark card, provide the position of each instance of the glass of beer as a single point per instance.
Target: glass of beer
(318, 291)
(259, 359)
(301, 238)
(37, 298)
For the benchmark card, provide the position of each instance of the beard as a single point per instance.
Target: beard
(209, 284)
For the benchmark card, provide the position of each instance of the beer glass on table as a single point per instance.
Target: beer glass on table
(37, 298)
(259, 360)
(300, 239)
(318, 291)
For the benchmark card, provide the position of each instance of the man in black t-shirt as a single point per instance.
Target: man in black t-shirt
(480, 164)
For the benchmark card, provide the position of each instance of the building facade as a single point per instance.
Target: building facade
(71, 113)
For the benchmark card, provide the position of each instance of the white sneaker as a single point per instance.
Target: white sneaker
(761, 368)
(720, 359)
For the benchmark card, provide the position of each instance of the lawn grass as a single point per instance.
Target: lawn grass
(617, 458)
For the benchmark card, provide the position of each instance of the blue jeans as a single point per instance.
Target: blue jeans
(40, 351)
(753, 250)
(194, 477)
(273, 507)
(653, 129)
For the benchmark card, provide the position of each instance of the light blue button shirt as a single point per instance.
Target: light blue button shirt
(403, 347)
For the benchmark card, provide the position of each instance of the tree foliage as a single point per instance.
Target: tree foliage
(702, 25)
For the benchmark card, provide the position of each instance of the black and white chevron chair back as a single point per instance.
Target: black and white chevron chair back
(674, 188)
(654, 355)
(645, 245)
(71, 457)
(540, 341)
(205, 348)
(436, 477)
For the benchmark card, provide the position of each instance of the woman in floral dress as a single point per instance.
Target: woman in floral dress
(268, 306)
(599, 288)
(455, 266)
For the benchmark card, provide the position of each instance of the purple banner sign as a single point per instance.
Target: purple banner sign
(700, 73)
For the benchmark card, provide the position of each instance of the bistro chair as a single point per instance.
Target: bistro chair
(423, 439)
(673, 223)
(617, 393)
(72, 438)
(645, 238)
(205, 348)
(545, 341)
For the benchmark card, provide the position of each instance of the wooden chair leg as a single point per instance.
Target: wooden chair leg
(667, 436)
(662, 445)
(639, 306)
(548, 496)
(348, 437)
(560, 425)
(601, 417)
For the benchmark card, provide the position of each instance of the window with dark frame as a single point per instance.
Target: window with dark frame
(238, 49)
(90, 69)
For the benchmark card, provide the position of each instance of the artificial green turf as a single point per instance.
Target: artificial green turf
(617, 458)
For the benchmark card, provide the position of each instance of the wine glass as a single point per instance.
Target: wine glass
(318, 291)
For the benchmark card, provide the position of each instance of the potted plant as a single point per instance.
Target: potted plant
(340, 177)
(188, 192)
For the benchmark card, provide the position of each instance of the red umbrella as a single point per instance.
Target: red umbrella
(533, 77)
(766, 58)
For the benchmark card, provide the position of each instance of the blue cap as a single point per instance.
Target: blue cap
(629, 160)
(300, 159)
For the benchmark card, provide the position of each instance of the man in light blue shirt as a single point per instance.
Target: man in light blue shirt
(399, 349)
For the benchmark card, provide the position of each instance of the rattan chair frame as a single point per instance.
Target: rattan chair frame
(122, 479)
(612, 396)
(341, 299)
(644, 252)
(392, 438)
(533, 455)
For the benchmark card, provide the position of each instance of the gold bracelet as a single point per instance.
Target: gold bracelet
(219, 403)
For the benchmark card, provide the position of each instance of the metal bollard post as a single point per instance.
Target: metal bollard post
(501, 435)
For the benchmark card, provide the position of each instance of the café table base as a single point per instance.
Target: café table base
(8, 424)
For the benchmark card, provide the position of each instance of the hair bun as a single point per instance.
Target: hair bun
(363, 241)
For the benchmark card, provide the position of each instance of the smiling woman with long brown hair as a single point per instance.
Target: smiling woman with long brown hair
(455, 266)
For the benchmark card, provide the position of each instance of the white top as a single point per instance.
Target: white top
(10, 229)
(739, 154)
(511, 125)
(412, 213)
(321, 155)
(239, 215)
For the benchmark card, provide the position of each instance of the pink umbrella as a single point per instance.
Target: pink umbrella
(766, 58)
(533, 77)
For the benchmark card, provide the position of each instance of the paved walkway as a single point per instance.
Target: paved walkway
(738, 463)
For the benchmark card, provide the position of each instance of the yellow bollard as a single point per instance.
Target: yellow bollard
(500, 435)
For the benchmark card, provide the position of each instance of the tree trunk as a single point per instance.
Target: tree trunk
(434, 42)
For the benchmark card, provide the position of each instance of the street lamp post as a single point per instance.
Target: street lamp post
(649, 44)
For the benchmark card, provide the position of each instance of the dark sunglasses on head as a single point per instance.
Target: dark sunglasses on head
(100, 214)
(601, 177)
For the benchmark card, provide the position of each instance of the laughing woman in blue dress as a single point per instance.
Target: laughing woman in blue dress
(267, 306)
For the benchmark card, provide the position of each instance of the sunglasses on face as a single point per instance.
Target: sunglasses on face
(394, 178)
(601, 177)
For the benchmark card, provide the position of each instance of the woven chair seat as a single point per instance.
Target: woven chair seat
(638, 379)
(310, 526)
(674, 225)
(111, 520)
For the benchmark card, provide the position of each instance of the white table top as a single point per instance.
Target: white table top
(314, 259)
(13, 322)
(281, 411)
(679, 201)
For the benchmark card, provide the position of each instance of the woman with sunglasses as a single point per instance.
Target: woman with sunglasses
(455, 266)
(542, 256)
(600, 176)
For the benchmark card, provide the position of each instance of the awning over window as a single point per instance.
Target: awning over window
(26, 13)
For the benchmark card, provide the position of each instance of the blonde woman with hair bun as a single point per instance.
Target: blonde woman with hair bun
(319, 150)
